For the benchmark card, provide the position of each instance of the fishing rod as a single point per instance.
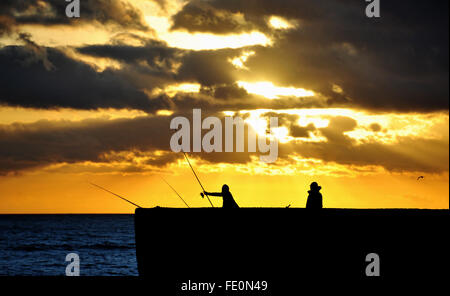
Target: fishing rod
(115, 194)
(204, 191)
(175, 192)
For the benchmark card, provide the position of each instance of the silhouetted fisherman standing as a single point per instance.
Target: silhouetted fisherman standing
(228, 200)
(315, 197)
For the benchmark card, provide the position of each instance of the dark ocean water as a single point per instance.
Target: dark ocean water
(37, 245)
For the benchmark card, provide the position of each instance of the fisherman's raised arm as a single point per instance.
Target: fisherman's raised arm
(213, 193)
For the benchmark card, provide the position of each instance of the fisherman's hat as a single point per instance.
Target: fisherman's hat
(315, 186)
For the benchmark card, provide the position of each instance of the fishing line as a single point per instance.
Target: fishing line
(115, 194)
(197, 178)
(175, 192)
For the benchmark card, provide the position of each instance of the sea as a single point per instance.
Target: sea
(37, 245)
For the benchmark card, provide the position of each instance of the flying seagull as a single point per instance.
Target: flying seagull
(420, 177)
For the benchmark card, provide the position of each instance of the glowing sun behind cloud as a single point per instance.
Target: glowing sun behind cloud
(269, 90)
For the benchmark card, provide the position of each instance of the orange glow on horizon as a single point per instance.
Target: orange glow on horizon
(70, 193)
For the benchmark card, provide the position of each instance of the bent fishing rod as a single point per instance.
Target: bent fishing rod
(204, 191)
(175, 192)
(115, 194)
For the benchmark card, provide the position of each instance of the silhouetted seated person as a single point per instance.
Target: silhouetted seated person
(315, 197)
(228, 200)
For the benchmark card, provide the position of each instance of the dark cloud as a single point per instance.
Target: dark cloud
(39, 53)
(185, 102)
(155, 53)
(396, 62)
(199, 16)
(42, 143)
(39, 77)
(208, 67)
(218, 16)
(56, 80)
(232, 91)
(290, 121)
(288, 8)
(407, 155)
(7, 24)
(301, 131)
(36, 145)
(375, 127)
(52, 12)
(147, 66)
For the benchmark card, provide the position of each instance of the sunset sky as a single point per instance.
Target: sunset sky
(362, 103)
